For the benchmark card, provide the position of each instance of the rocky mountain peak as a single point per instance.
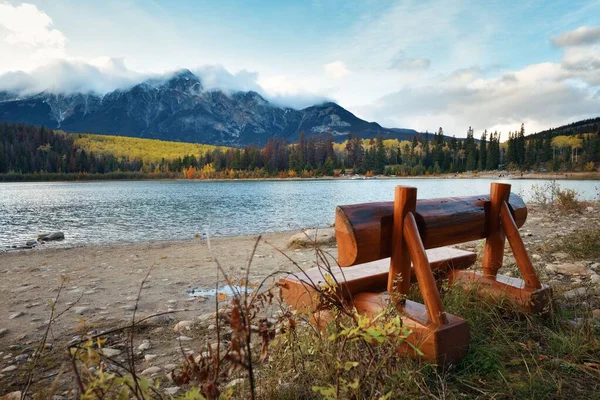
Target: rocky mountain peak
(178, 108)
(184, 80)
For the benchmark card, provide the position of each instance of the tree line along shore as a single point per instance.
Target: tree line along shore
(35, 153)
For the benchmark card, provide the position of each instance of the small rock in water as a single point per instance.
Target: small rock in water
(170, 367)
(16, 315)
(10, 368)
(184, 338)
(149, 357)
(22, 357)
(47, 237)
(3, 331)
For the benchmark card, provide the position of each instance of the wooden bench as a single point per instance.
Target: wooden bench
(386, 244)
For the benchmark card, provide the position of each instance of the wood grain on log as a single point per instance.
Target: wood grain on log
(364, 231)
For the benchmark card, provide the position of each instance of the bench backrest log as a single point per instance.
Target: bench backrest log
(364, 231)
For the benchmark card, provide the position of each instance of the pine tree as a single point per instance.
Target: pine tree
(483, 152)
(471, 151)
(380, 156)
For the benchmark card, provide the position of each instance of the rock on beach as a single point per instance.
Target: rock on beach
(310, 237)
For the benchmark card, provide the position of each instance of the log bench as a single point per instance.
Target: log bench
(383, 246)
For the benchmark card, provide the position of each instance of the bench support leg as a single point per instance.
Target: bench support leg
(405, 201)
(493, 253)
(441, 337)
(527, 293)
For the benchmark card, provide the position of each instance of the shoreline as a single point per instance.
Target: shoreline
(463, 175)
(49, 246)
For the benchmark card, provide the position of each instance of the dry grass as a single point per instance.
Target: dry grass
(583, 244)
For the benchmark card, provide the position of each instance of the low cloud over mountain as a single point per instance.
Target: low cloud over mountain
(220, 108)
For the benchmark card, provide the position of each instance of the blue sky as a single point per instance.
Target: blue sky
(416, 64)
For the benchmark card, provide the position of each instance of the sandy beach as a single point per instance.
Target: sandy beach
(105, 280)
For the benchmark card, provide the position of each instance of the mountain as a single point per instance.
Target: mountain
(178, 108)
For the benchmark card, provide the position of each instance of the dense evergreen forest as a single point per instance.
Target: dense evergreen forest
(37, 153)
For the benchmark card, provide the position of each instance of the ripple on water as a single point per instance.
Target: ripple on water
(123, 212)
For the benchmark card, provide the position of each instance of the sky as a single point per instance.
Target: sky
(420, 64)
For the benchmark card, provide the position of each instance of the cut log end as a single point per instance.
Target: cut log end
(347, 248)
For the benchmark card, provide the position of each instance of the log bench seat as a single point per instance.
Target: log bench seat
(298, 289)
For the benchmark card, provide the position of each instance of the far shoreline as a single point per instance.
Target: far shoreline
(462, 175)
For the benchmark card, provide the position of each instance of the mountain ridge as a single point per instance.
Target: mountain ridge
(179, 108)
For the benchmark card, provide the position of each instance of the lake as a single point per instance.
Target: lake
(132, 211)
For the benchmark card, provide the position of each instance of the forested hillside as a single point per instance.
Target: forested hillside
(30, 152)
(576, 128)
(574, 147)
(147, 150)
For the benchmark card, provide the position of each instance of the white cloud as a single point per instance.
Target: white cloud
(217, 77)
(104, 74)
(581, 36)
(70, 76)
(26, 25)
(336, 70)
(288, 92)
(27, 38)
(541, 95)
(401, 62)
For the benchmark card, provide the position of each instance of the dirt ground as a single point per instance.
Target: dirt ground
(102, 284)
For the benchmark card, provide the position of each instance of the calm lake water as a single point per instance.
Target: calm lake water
(110, 212)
